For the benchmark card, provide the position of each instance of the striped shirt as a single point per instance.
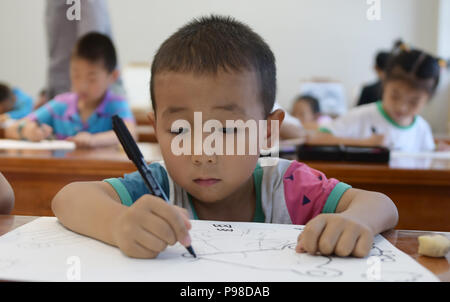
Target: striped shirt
(62, 115)
(289, 192)
(23, 105)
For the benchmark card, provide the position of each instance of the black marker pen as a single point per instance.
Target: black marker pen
(135, 155)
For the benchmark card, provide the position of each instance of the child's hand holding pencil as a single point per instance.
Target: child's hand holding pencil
(34, 132)
(148, 226)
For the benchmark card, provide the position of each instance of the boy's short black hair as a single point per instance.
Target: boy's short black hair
(382, 59)
(415, 67)
(5, 93)
(210, 44)
(312, 102)
(96, 47)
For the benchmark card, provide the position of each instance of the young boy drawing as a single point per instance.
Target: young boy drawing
(84, 114)
(221, 68)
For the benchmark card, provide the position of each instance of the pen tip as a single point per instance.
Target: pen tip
(191, 251)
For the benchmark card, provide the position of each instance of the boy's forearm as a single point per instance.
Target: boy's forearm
(376, 210)
(12, 131)
(108, 138)
(92, 214)
(18, 129)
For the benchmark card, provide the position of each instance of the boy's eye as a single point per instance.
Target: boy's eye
(179, 130)
(229, 130)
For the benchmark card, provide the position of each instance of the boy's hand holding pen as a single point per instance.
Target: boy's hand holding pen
(150, 224)
(32, 131)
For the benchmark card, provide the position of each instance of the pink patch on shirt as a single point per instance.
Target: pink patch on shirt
(305, 190)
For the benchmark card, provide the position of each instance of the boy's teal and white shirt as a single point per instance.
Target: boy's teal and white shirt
(286, 192)
(359, 121)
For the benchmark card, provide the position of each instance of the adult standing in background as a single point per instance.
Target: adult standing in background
(63, 30)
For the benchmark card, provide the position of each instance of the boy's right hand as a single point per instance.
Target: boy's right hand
(149, 225)
(33, 132)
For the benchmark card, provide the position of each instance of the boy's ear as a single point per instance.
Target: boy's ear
(272, 119)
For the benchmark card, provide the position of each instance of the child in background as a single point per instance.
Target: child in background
(410, 81)
(6, 196)
(220, 68)
(372, 93)
(291, 128)
(83, 115)
(307, 109)
(14, 103)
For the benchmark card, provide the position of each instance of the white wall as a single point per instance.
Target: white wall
(320, 38)
(23, 57)
(442, 99)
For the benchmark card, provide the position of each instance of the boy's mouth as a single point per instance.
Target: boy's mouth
(206, 181)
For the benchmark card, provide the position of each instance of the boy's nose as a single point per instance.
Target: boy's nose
(203, 159)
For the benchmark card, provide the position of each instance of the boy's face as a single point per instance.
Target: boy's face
(402, 102)
(302, 110)
(225, 96)
(90, 80)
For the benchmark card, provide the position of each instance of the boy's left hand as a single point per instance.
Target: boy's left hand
(335, 234)
(83, 140)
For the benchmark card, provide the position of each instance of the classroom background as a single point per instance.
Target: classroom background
(310, 39)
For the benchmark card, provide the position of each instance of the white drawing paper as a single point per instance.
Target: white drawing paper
(42, 145)
(44, 250)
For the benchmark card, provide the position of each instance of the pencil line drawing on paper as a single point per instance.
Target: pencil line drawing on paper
(251, 248)
(225, 252)
(7, 263)
(46, 238)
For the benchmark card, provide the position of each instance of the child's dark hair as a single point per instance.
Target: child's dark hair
(382, 59)
(417, 68)
(210, 44)
(312, 102)
(5, 93)
(96, 47)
